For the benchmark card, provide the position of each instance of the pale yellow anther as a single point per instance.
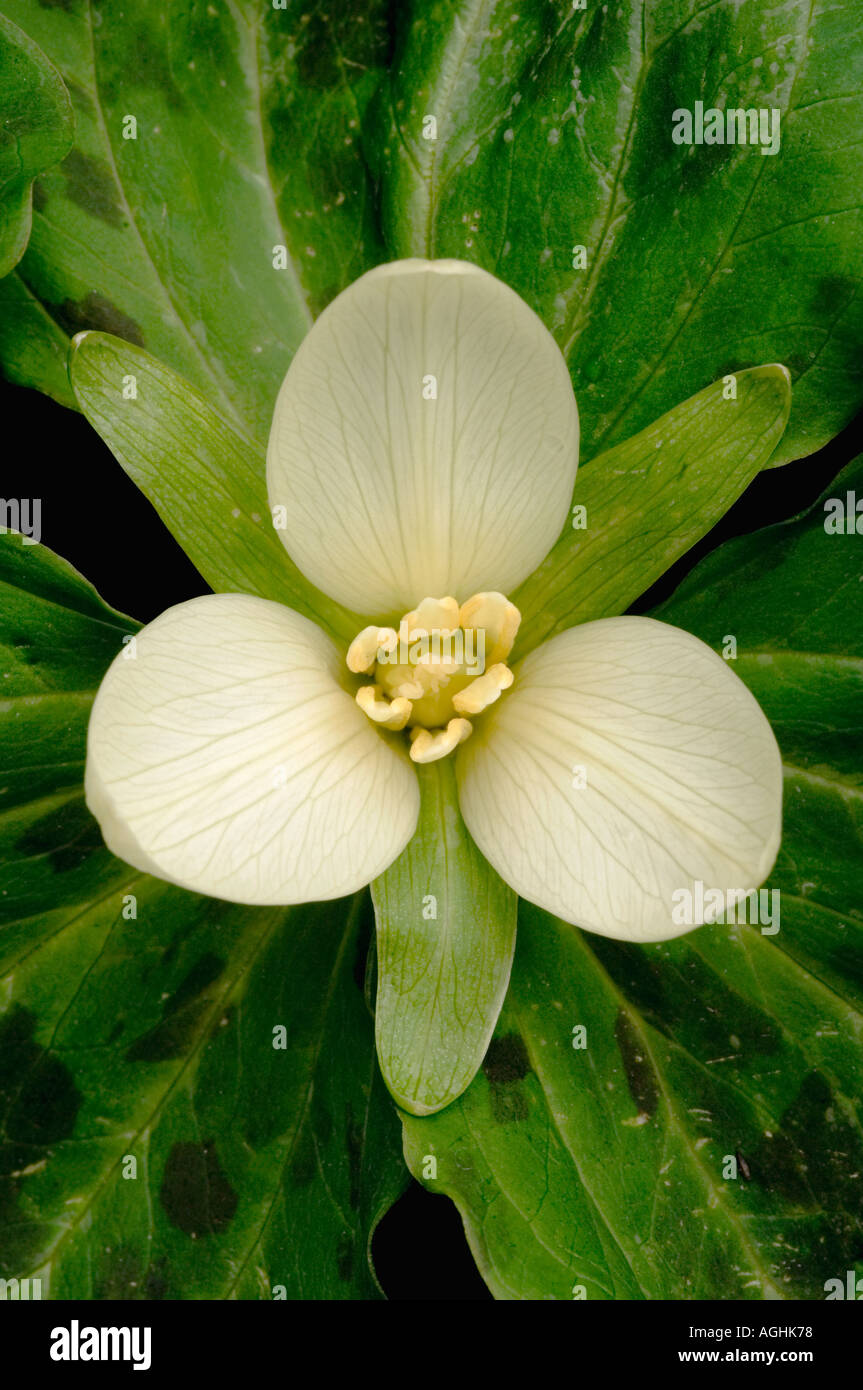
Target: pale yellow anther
(417, 680)
(388, 714)
(427, 745)
(363, 651)
(433, 615)
(439, 666)
(484, 690)
(407, 690)
(444, 663)
(498, 617)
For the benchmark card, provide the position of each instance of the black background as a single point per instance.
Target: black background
(95, 517)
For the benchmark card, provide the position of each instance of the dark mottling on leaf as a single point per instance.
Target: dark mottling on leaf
(203, 973)
(182, 1012)
(67, 5)
(354, 1143)
(47, 1106)
(39, 1101)
(832, 294)
(664, 998)
(67, 835)
(195, 1194)
(807, 1161)
(345, 1256)
(645, 981)
(169, 1039)
(23, 1233)
(640, 1076)
(156, 1284)
(117, 1031)
(508, 1105)
(730, 367)
(655, 158)
(506, 1060)
(338, 184)
(40, 196)
(337, 43)
(91, 184)
(170, 954)
(799, 362)
(847, 961)
(147, 66)
(322, 1121)
(304, 1160)
(505, 1064)
(94, 311)
(119, 1274)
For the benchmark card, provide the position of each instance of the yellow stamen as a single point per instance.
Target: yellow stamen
(389, 714)
(445, 662)
(499, 618)
(436, 666)
(363, 651)
(427, 745)
(407, 690)
(484, 690)
(433, 615)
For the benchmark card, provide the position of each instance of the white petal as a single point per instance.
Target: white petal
(227, 757)
(391, 496)
(683, 778)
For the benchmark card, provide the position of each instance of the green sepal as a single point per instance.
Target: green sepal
(206, 480)
(445, 940)
(644, 503)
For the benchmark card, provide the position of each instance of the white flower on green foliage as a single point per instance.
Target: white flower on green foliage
(421, 461)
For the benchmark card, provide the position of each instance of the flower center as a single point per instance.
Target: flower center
(444, 664)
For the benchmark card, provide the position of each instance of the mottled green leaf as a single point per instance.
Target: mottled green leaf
(191, 1106)
(791, 597)
(605, 1167)
(35, 132)
(647, 501)
(445, 940)
(33, 348)
(706, 1142)
(206, 480)
(246, 139)
(554, 131)
(57, 638)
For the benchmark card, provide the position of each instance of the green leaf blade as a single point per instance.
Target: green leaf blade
(33, 347)
(35, 133)
(645, 1118)
(556, 133)
(169, 237)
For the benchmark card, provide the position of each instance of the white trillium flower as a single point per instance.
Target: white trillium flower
(423, 450)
